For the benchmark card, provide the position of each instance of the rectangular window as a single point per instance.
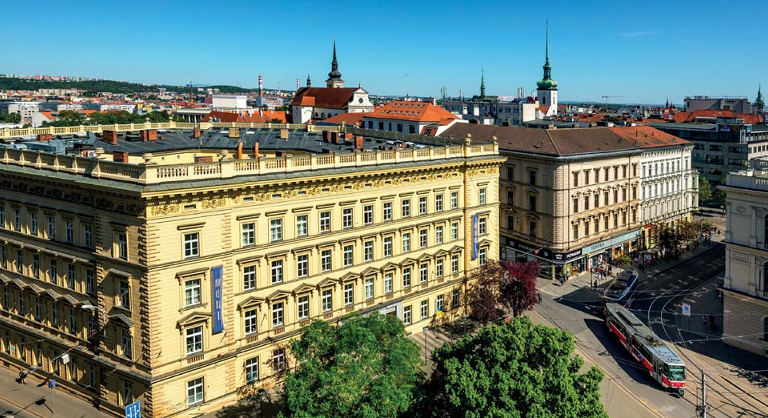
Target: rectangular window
(303, 306)
(586, 228)
(252, 370)
(423, 238)
(278, 315)
(37, 308)
(249, 234)
(368, 214)
(70, 275)
(454, 231)
(302, 225)
(36, 266)
(454, 264)
(423, 273)
(532, 178)
(88, 235)
(70, 232)
(33, 223)
(126, 343)
(122, 246)
(278, 360)
(454, 200)
(72, 321)
(439, 303)
(439, 270)
(532, 228)
(55, 315)
(575, 205)
(575, 179)
(424, 309)
(52, 274)
(482, 226)
(368, 250)
(532, 203)
(388, 247)
(325, 221)
(387, 211)
(2, 217)
(438, 203)
(455, 298)
(275, 230)
(349, 294)
(3, 258)
(20, 306)
(191, 245)
(250, 319)
(249, 277)
(406, 277)
(606, 194)
(327, 300)
(302, 265)
(325, 260)
(605, 218)
(277, 271)
(597, 199)
(387, 282)
(406, 242)
(17, 220)
(51, 227)
(192, 292)
(407, 315)
(422, 206)
(194, 391)
(368, 288)
(482, 196)
(346, 218)
(575, 231)
(406, 206)
(348, 255)
(482, 255)
(439, 235)
(124, 295)
(510, 197)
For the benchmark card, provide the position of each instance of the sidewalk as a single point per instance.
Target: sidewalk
(27, 397)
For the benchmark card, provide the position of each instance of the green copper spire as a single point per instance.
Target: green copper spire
(547, 83)
(482, 83)
(759, 100)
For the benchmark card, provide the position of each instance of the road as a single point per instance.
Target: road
(580, 313)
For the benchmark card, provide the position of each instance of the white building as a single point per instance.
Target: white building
(745, 285)
(229, 101)
(410, 117)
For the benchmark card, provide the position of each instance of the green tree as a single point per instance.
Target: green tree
(705, 190)
(512, 370)
(10, 118)
(158, 116)
(364, 368)
(67, 118)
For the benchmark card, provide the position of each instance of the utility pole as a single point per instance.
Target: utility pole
(703, 395)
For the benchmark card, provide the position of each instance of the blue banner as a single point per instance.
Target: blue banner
(475, 243)
(218, 318)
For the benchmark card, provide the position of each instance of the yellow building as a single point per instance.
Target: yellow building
(173, 267)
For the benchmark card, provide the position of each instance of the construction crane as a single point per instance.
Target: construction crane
(606, 100)
(192, 87)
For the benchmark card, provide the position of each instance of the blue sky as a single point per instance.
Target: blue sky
(642, 51)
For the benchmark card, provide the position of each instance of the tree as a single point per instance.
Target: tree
(512, 370)
(10, 118)
(518, 286)
(365, 367)
(157, 116)
(705, 190)
(485, 296)
(623, 261)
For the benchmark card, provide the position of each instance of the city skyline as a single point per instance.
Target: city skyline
(399, 49)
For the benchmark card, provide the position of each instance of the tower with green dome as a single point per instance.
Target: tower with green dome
(759, 103)
(546, 91)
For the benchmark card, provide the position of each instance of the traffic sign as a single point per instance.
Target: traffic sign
(686, 309)
(51, 383)
(133, 410)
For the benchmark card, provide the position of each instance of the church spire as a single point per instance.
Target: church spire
(309, 81)
(482, 83)
(334, 77)
(547, 83)
(759, 100)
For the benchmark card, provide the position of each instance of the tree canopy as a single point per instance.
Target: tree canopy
(513, 370)
(10, 118)
(364, 368)
(705, 190)
(511, 285)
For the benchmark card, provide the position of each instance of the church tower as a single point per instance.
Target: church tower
(482, 84)
(334, 77)
(759, 104)
(546, 92)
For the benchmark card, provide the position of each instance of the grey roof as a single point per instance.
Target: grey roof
(684, 126)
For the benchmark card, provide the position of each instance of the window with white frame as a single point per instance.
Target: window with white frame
(424, 309)
(439, 303)
(454, 200)
(191, 244)
(17, 220)
(325, 221)
(439, 234)
(278, 360)
(303, 307)
(2, 217)
(455, 263)
(327, 300)
(192, 295)
(252, 370)
(278, 314)
(482, 256)
(302, 265)
(388, 247)
(387, 211)
(423, 205)
(407, 315)
(69, 231)
(439, 269)
(194, 391)
(423, 238)
(194, 339)
(454, 231)
(248, 234)
(406, 277)
(90, 282)
(406, 242)
(482, 225)
(439, 203)
(406, 208)
(249, 277)
(368, 250)
(388, 282)
(346, 218)
(277, 271)
(482, 196)
(368, 288)
(51, 227)
(423, 272)
(455, 298)
(348, 255)
(275, 230)
(349, 294)
(325, 260)
(249, 321)
(302, 225)
(368, 214)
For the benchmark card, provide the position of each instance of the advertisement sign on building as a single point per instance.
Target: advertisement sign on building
(475, 243)
(218, 319)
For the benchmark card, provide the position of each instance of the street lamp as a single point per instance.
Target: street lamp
(425, 329)
(95, 308)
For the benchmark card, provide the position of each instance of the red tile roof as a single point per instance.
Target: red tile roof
(245, 117)
(412, 111)
(346, 119)
(544, 109)
(647, 137)
(686, 117)
(328, 98)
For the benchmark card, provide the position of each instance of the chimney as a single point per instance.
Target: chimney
(44, 137)
(110, 137)
(196, 133)
(120, 156)
(326, 136)
(284, 134)
(148, 135)
(261, 87)
(327, 151)
(256, 150)
(234, 132)
(358, 142)
(348, 135)
(239, 152)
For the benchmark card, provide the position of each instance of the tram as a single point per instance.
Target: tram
(662, 363)
(623, 287)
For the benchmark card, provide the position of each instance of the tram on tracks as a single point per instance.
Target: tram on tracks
(662, 363)
(623, 287)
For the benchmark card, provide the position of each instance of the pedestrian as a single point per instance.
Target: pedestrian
(562, 280)
(704, 321)
(538, 296)
(712, 324)
(23, 376)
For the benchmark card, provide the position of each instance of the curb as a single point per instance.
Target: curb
(614, 378)
(671, 266)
